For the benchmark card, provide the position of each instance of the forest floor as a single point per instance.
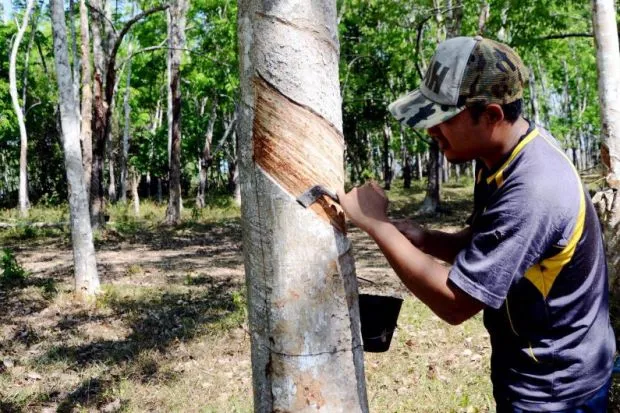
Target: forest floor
(169, 333)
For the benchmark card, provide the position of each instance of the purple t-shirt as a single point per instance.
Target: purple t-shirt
(536, 260)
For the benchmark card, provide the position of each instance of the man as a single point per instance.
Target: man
(532, 256)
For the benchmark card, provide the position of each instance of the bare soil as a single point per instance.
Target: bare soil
(170, 333)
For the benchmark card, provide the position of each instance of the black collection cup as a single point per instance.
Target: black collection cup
(378, 315)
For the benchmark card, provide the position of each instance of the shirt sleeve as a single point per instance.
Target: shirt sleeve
(508, 237)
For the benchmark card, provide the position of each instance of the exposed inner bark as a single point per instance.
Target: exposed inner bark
(281, 150)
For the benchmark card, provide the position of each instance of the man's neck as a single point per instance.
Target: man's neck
(504, 139)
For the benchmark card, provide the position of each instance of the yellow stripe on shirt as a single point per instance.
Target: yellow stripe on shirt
(543, 274)
(499, 175)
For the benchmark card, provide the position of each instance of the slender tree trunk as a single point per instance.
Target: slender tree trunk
(234, 166)
(407, 172)
(86, 277)
(206, 159)
(135, 182)
(160, 196)
(99, 121)
(608, 62)
(387, 168)
(176, 38)
(418, 156)
(75, 61)
(445, 168)
(485, 12)
(24, 203)
(302, 292)
(105, 50)
(86, 135)
(534, 99)
(431, 201)
(127, 109)
(111, 174)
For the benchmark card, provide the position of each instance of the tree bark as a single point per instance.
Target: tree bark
(99, 121)
(85, 266)
(127, 109)
(431, 201)
(24, 203)
(86, 135)
(104, 90)
(387, 167)
(206, 158)
(75, 60)
(485, 11)
(608, 62)
(176, 38)
(135, 181)
(534, 99)
(302, 291)
(418, 163)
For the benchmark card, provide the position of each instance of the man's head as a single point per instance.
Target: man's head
(465, 72)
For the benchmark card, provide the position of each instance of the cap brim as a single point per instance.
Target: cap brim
(419, 112)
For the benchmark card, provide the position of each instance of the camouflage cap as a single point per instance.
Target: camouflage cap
(463, 71)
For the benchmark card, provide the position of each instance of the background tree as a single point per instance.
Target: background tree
(176, 40)
(86, 107)
(85, 265)
(105, 50)
(24, 203)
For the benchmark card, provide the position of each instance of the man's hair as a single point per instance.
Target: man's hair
(511, 110)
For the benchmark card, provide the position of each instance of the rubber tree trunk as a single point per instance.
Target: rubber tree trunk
(127, 110)
(75, 58)
(106, 43)
(302, 292)
(534, 99)
(85, 265)
(99, 123)
(485, 11)
(176, 39)
(135, 197)
(24, 203)
(608, 62)
(387, 165)
(206, 159)
(86, 134)
(431, 200)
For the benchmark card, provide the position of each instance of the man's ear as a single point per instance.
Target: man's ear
(494, 113)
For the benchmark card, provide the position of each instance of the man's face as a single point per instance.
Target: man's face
(460, 138)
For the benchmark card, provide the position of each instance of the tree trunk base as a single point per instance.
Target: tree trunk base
(607, 203)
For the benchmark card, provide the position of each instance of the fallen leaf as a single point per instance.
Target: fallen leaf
(112, 407)
(33, 376)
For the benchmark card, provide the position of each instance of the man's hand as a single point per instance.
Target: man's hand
(414, 233)
(365, 206)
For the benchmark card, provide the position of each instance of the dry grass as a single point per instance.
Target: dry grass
(169, 334)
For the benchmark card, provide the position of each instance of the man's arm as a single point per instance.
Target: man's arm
(439, 244)
(426, 278)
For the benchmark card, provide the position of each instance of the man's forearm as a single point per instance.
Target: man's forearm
(444, 245)
(426, 278)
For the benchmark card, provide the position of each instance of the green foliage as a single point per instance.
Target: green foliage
(13, 274)
(385, 48)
